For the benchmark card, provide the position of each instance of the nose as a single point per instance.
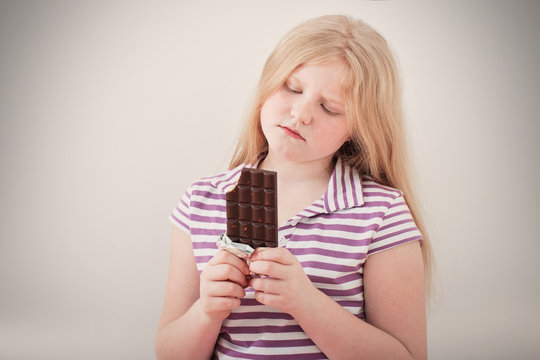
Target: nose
(301, 111)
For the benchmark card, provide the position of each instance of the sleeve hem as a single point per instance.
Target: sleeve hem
(176, 222)
(393, 244)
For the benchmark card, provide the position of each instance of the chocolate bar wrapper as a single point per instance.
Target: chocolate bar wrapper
(243, 251)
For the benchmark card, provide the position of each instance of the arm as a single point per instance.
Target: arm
(195, 306)
(394, 300)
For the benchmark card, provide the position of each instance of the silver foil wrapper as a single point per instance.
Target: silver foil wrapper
(243, 251)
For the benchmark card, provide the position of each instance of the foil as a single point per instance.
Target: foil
(243, 251)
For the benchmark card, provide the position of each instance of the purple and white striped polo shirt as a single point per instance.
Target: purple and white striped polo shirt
(331, 238)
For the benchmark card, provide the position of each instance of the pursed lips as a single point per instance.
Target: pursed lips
(293, 133)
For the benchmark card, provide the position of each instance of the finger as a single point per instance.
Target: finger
(267, 285)
(279, 255)
(268, 299)
(225, 272)
(269, 268)
(225, 257)
(224, 289)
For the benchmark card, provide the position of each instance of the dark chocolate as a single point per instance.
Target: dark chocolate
(252, 209)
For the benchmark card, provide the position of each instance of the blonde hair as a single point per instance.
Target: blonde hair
(372, 93)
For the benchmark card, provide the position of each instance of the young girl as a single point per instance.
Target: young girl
(327, 118)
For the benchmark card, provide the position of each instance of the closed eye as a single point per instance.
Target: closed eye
(292, 89)
(327, 110)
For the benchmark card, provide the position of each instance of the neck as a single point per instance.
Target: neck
(291, 172)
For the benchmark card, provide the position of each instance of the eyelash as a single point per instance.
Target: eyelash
(327, 110)
(294, 91)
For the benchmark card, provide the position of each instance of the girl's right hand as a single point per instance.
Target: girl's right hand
(222, 284)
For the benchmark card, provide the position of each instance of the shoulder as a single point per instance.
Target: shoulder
(373, 191)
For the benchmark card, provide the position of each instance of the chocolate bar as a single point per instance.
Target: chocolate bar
(252, 209)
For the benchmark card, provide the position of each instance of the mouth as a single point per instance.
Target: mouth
(292, 133)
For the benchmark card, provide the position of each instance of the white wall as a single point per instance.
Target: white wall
(108, 110)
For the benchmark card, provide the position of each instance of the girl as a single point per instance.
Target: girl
(327, 118)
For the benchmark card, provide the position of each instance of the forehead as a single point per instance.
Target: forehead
(334, 68)
(330, 76)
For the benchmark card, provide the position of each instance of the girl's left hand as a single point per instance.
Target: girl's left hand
(284, 284)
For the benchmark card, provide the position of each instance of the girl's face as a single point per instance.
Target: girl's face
(304, 120)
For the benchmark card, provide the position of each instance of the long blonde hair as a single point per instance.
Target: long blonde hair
(377, 145)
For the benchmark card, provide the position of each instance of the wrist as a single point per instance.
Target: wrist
(207, 317)
(313, 301)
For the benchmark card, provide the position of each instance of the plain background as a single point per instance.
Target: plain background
(110, 109)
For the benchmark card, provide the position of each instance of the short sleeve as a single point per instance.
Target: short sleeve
(397, 227)
(180, 216)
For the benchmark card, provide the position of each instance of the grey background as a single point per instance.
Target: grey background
(109, 110)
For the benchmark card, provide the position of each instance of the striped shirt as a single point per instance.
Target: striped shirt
(331, 238)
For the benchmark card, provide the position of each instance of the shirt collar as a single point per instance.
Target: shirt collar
(228, 180)
(344, 187)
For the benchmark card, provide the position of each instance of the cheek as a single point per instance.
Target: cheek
(276, 105)
(336, 134)
(269, 115)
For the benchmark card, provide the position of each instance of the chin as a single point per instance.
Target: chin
(285, 152)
